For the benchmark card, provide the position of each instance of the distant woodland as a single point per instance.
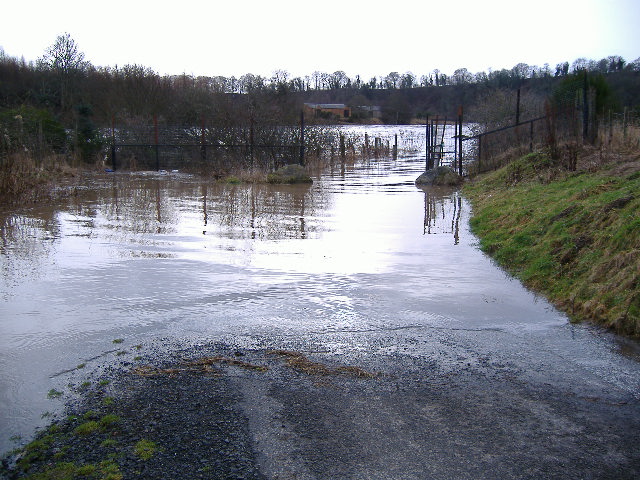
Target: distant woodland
(63, 89)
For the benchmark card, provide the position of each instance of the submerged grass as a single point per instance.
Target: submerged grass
(573, 236)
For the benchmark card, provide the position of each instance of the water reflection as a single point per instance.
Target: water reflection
(442, 209)
(26, 243)
(143, 215)
(260, 211)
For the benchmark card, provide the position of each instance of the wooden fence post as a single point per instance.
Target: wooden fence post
(530, 137)
(624, 125)
(460, 140)
(113, 143)
(302, 138)
(251, 134)
(585, 108)
(203, 144)
(395, 147)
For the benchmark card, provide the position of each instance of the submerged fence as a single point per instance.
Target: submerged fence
(218, 149)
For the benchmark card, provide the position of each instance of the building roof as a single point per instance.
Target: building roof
(326, 105)
(370, 108)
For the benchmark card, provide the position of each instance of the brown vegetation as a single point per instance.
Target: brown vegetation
(201, 366)
(302, 364)
(23, 182)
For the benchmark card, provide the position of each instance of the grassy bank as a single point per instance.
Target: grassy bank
(573, 236)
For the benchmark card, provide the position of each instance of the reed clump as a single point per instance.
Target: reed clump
(23, 181)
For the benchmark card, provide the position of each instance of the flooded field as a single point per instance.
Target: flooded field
(360, 262)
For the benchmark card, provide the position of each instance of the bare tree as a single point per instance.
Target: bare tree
(635, 65)
(279, 78)
(317, 79)
(408, 80)
(250, 83)
(436, 76)
(462, 76)
(521, 71)
(579, 64)
(67, 61)
(392, 80)
(338, 80)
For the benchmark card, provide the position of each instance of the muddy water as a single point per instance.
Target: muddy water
(361, 261)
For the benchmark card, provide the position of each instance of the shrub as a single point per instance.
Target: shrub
(25, 127)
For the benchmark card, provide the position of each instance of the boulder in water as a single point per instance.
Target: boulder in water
(442, 176)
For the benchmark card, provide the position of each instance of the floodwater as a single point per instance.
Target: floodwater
(360, 254)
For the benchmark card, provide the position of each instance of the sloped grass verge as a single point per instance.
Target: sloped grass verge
(572, 236)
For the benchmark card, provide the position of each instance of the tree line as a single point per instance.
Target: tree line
(66, 88)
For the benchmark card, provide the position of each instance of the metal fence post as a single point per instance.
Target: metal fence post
(427, 144)
(155, 125)
(302, 138)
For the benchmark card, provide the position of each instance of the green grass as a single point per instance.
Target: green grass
(145, 449)
(106, 470)
(53, 393)
(109, 421)
(109, 442)
(574, 237)
(48, 456)
(87, 428)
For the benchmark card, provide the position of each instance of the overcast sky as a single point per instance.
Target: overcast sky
(366, 38)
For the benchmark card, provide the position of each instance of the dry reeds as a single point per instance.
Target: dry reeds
(24, 181)
(302, 364)
(199, 366)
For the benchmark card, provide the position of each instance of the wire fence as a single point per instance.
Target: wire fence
(494, 148)
(220, 150)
